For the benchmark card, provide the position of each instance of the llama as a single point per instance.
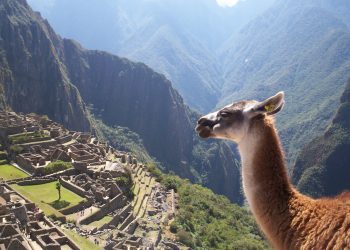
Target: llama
(289, 219)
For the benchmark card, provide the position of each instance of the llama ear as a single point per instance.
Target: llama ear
(270, 106)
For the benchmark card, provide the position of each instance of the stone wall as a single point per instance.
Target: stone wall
(25, 164)
(76, 208)
(70, 186)
(127, 221)
(44, 144)
(35, 181)
(114, 204)
(63, 139)
(117, 218)
(130, 229)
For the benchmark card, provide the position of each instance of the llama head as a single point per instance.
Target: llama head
(233, 121)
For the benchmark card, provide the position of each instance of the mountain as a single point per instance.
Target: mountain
(32, 78)
(43, 73)
(177, 38)
(322, 168)
(132, 95)
(213, 58)
(301, 47)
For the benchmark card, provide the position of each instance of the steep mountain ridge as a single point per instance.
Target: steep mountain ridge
(322, 168)
(134, 96)
(43, 73)
(31, 76)
(299, 47)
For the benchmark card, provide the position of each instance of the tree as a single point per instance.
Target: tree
(58, 187)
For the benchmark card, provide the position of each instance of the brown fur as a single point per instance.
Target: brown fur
(289, 219)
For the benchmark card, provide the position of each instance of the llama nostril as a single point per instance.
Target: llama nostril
(206, 122)
(201, 121)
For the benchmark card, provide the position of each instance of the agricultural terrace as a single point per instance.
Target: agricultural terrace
(9, 172)
(46, 197)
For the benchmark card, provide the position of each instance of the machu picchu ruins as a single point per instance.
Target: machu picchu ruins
(114, 201)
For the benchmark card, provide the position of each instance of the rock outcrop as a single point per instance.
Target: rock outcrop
(32, 77)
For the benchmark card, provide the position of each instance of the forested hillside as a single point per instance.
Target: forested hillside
(322, 168)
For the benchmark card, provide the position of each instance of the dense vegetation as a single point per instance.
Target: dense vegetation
(122, 139)
(205, 220)
(56, 166)
(126, 184)
(17, 149)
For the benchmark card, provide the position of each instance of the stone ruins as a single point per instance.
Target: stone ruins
(108, 215)
(24, 226)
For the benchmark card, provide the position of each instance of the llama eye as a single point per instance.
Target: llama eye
(225, 114)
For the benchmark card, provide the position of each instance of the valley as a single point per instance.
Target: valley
(75, 86)
(70, 191)
(275, 45)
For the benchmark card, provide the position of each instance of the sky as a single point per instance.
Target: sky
(47, 4)
(227, 3)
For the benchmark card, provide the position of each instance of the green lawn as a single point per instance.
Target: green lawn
(101, 222)
(9, 172)
(45, 194)
(82, 242)
(27, 136)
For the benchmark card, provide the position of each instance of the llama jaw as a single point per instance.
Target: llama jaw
(204, 131)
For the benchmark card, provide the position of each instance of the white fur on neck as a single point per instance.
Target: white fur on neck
(247, 148)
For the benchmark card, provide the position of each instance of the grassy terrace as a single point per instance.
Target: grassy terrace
(28, 136)
(82, 242)
(101, 222)
(142, 189)
(9, 172)
(46, 195)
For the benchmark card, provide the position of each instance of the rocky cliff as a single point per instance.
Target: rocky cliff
(43, 73)
(134, 96)
(322, 169)
(32, 78)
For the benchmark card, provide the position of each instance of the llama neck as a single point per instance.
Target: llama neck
(265, 181)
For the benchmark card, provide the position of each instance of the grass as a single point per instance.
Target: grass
(45, 194)
(59, 204)
(9, 172)
(28, 136)
(82, 242)
(102, 221)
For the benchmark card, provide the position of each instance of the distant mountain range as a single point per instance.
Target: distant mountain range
(178, 38)
(43, 73)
